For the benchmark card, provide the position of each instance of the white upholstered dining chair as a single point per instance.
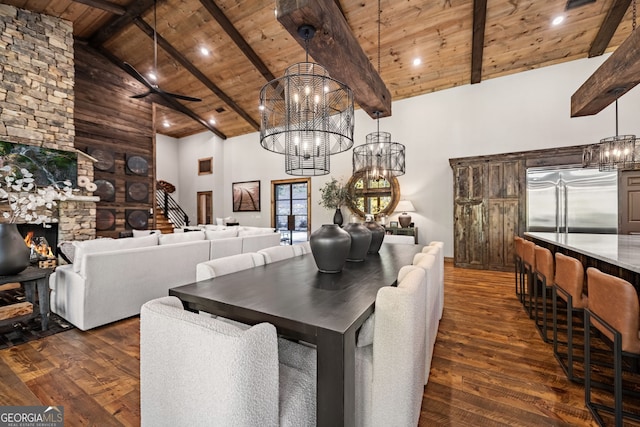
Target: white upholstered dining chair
(429, 263)
(227, 265)
(279, 253)
(196, 370)
(433, 247)
(389, 372)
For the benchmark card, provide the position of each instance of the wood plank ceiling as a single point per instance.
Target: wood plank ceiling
(248, 46)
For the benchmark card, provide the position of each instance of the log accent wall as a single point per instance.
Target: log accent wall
(119, 132)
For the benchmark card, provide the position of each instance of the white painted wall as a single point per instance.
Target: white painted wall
(526, 111)
(182, 156)
(167, 153)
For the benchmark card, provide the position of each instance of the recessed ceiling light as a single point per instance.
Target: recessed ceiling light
(204, 51)
(152, 76)
(212, 121)
(166, 124)
(261, 107)
(417, 61)
(558, 20)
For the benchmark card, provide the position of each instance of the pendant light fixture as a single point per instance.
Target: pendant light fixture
(617, 152)
(306, 115)
(379, 158)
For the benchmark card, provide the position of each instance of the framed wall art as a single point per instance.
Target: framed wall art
(246, 196)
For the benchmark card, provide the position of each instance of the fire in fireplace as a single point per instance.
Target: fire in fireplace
(40, 249)
(44, 240)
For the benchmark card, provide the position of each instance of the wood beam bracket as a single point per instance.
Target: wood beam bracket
(336, 48)
(615, 77)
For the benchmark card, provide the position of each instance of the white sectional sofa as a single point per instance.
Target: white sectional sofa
(110, 279)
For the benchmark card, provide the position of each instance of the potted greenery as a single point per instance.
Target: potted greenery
(333, 195)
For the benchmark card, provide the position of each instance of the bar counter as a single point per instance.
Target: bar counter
(616, 254)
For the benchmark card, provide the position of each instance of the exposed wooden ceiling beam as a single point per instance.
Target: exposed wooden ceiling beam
(609, 26)
(107, 31)
(477, 41)
(615, 77)
(173, 52)
(237, 38)
(336, 48)
(167, 101)
(116, 9)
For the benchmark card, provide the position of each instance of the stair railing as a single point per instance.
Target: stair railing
(171, 209)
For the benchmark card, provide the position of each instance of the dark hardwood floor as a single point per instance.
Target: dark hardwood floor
(490, 367)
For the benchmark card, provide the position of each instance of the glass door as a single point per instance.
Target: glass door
(291, 209)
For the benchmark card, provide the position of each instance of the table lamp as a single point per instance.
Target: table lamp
(404, 206)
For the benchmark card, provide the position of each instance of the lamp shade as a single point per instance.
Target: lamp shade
(405, 206)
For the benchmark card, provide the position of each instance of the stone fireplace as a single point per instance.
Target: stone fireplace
(37, 101)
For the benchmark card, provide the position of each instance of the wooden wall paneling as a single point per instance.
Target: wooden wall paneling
(108, 119)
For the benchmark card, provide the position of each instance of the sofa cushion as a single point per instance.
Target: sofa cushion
(191, 236)
(251, 231)
(142, 233)
(221, 234)
(105, 245)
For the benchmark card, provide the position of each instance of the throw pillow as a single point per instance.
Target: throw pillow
(67, 251)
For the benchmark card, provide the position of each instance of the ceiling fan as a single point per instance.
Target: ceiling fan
(153, 87)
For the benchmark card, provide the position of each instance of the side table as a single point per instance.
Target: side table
(409, 231)
(33, 278)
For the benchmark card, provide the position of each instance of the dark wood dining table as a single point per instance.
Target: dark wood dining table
(304, 304)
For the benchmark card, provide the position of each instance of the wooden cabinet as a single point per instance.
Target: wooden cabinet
(503, 201)
(490, 203)
(629, 202)
(486, 209)
(469, 215)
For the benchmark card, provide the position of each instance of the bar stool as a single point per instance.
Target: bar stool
(614, 311)
(543, 283)
(517, 261)
(528, 267)
(569, 284)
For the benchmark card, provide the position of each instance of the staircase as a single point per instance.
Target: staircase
(162, 223)
(169, 214)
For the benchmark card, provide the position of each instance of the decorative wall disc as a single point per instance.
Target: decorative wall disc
(106, 190)
(106, 160)
(105, 219)
(137, 192)
(137, 219)
(137, 165)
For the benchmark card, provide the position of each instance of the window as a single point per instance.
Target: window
(373, 196)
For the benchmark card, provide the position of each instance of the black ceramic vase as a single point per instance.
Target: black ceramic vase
(330, 246)
(14, 253)
(337, 217)
(377, 236)
(360, 241)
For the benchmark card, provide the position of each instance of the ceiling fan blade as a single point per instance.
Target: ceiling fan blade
(137, 75)
(178, 96)
(141, 95)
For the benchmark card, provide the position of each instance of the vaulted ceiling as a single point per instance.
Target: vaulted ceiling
(457, 41)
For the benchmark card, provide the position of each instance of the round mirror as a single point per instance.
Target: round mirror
(373, 196)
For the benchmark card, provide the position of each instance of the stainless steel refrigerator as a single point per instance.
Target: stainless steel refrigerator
(573, 200)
